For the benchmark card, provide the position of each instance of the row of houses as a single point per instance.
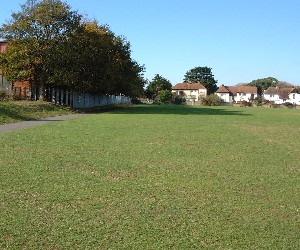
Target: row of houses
(235, 94)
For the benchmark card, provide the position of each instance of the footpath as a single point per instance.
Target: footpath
(27, 124)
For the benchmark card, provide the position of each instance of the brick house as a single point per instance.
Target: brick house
(20, 89)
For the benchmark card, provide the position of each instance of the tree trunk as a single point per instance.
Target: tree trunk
(42, 92)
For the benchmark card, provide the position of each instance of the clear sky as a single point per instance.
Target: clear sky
(241, 40)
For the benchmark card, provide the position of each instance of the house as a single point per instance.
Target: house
(21, 89)
(240, 93)
(282, 95)
(190, 91)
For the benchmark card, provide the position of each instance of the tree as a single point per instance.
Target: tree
(157, 84)
(35, 33)
(204, 76)
(263, 84)
(52, 46)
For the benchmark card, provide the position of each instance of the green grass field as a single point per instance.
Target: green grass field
(16, 111)
(154, 177)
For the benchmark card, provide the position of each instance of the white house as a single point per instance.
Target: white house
(294, 97)
(241, 93)
(190, 91)
(281, 95)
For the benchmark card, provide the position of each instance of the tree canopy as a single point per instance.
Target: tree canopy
(263, 84)
(202, 75)
(157, 84)
(52, 45)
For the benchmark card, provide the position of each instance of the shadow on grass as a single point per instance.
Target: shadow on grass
(178, 110)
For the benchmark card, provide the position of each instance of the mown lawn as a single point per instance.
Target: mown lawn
(154, 177)
(16, 111)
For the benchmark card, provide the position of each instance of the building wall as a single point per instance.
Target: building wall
(244, 97)
(225, 97)
(273, 98)
(4, 84)
(191, 95)
(3, 47)
(294, 98)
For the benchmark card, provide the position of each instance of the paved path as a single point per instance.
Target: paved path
(27, 124)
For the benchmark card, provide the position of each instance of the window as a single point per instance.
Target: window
(294, 96)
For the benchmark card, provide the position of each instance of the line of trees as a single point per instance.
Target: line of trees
(52, 45)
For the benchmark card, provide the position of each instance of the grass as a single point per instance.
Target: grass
(16, 111)
(154, 177)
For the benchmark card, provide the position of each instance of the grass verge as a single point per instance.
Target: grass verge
(154, 177)
(16, 111)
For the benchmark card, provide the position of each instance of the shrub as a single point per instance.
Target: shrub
(289, 105)
(165, 96)
(246, 104)
(178, 99)
(136, 101)
(4, 95)
(210, 100)
(257, 101)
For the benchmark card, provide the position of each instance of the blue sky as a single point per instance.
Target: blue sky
(241, 40)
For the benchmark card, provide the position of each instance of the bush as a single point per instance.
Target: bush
(4, 95)
(177, 99)
(136, 101)
(257, 101)
(165, 96)
(210, 100)
(289, 105)
(246, 104)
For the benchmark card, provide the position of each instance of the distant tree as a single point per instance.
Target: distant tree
(283, 84)
(157, 84)
(263, 84)
(204, 76)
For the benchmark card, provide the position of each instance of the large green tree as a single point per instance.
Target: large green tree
(204, 76)
(52, 46)
(263, 84)
(36, 32)
(157, 84)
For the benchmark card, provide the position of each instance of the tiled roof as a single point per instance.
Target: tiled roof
(233, 90)
(223, 89)
(188, 86)
(283, 93)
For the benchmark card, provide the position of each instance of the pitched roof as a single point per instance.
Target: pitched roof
(283, 93)
(233, 90)
(223, 89)
(247, 89)
(188, 86)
